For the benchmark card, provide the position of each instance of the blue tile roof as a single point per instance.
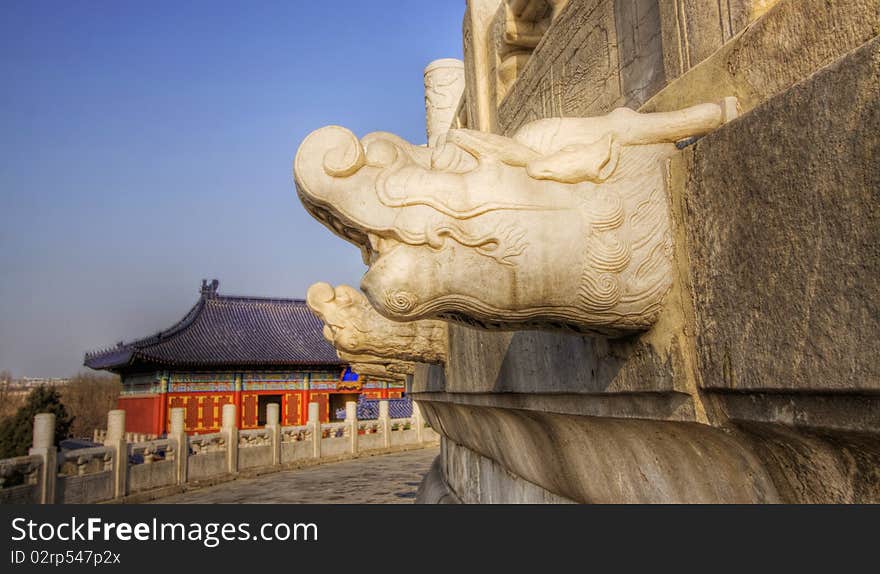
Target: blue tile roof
(227, 331)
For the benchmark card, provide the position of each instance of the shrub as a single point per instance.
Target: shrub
(16, 433)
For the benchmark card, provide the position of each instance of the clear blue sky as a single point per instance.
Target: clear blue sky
(148, 145)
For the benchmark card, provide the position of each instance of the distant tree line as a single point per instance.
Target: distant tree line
(10, 398)
(80, 407)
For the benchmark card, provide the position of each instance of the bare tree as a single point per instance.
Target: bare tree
(10, 397)
(88, 397)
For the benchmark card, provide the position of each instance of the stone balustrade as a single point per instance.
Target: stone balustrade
(100, 435)
(152, 451)
(296, 434)
(123, 470)
(20, 479)
(203, 444)
(83, 461)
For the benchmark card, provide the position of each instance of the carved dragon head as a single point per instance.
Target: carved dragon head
(353, 326)
(564, 225)
(381, 368)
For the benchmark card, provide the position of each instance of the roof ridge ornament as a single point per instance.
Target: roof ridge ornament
(209, 289)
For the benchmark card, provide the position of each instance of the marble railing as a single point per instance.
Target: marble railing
(150, 451)
(151, 468)
(83, 461)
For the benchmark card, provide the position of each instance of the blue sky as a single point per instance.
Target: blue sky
(148, 145)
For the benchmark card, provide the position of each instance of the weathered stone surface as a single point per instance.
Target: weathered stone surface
(783, 235)
(475, 479)
(21, 494)
(788, 43)
(694, 29)
(817, 466)
(149, 476)
(607, 460)
(537, 362)
(426, 379)
(479, 98)
(433, 489)
(840, 412)
(639, 49)
(601, 54)
(574, 72)
(85, 489)
(549, 390)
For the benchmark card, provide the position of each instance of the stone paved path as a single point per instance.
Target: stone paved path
(385, 479)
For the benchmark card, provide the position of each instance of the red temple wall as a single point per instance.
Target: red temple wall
(323, 400)
(142, 413)
(292, 412)
(203, 410)
(292, 408)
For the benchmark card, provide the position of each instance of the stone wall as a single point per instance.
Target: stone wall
(759, 382)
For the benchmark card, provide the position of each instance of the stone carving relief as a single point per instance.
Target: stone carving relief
(478, 104)
(563, 225)
(518, 28)
(692, 31)
(444, 85)
(499, 37)
(355, 328)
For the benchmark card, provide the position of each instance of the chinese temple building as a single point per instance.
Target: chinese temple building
(250, 351)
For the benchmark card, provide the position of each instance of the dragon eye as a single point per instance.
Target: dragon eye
(399, 301)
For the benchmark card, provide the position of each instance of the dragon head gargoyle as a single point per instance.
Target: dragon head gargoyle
(563, 225)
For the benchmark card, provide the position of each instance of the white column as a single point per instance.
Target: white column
(418, 421)
(115, 439)
(230, 429)
(178, 433)
(315, 424)
(385, 423)
(43, 445)
(274, 427)
(352, 421)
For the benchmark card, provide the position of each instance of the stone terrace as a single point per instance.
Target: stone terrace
(387, 479)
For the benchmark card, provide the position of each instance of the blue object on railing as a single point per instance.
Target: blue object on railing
(399, 408)
(368, 409)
